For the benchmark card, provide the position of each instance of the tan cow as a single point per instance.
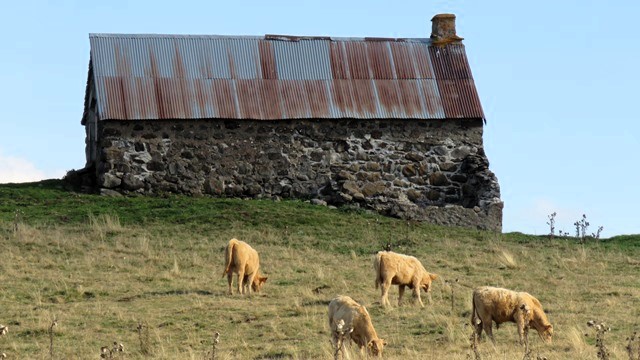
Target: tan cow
(242, 259)
(396, 269)
(355, 317)
(502, 305)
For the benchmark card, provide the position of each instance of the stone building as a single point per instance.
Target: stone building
(393, 125)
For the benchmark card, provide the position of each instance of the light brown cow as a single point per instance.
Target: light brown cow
(355, 317)
(502, 305)
(242, 259)
(396, 269)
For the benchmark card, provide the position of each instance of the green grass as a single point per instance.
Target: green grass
(102, 265)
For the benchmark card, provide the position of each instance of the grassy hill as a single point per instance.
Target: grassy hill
(146, 272)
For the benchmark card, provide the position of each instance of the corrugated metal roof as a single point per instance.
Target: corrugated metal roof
(143, 77)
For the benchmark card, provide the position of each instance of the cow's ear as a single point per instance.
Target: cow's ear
(433, 276)
(384, 342)
(264, 279)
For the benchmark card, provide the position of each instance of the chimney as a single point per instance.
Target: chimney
(443, 30)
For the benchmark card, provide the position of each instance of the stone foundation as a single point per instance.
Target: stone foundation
(433, 170)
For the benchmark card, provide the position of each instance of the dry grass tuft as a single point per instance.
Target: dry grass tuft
(575, 338)
(104, 224)
(507, 259)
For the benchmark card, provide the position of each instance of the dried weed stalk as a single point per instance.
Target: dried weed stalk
(341, 333)
(473, 340)
(633, 346)
(3, 331)
(552, 225)
(143, 336)
(601, 329)
(54, 323)
(212, 354)
(17, 220)
(450, 284)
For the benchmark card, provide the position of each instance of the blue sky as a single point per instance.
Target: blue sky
(558, 81)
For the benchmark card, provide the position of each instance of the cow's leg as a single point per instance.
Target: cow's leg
(384, 288)
(478, 328)
(487, 325)
(230, 281)
(249, 282)
(400, 293)
(416, 292)
(241, 281)
(520, 322)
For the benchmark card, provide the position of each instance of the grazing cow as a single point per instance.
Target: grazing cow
(355, 317)
(502, 305)
(242, 259)
(402, 270)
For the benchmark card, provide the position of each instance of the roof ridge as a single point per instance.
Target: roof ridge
(276, 37)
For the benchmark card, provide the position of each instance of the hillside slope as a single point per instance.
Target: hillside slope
(145, 272)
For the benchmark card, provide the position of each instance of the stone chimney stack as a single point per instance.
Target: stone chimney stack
(443, 30)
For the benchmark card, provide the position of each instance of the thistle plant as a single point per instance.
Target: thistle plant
(473, 340)
(633, 345)
(3, 331)
(143, 336)
(109, 353)
(212, 354)
(601, 329)
(581, 228)
(552, 225)
(597, 234)
(342, 333)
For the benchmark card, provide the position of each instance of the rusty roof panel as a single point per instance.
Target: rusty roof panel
(294, 100)
(226, 99)
(389, 100)
(267, 60)
(318, 96)
(460, 99)
(357, 59)
(338, 60)
(279, 77)
(450, 62)
(430, 98)
(380, 59)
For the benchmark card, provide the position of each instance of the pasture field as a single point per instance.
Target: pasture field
(103, 267)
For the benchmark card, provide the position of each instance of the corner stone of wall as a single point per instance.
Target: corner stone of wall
(433, 171)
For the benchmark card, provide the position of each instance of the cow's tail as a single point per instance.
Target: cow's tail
(227, 256)
(474, 314)
(376, 269)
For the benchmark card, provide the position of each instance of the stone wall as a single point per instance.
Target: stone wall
(432, 170)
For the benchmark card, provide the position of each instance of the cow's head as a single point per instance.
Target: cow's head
(375, 347)
(258, 282)
(546, 333)
(426, 281)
